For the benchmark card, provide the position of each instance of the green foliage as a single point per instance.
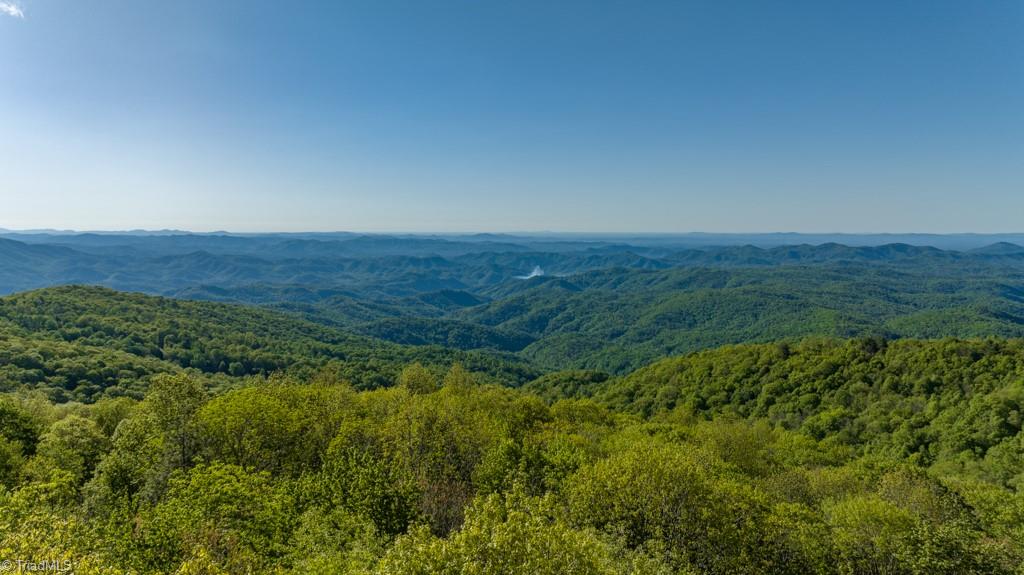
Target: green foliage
(458, 379)
(512, 534)
(108, 413)
(290, 476)
(418, 379)
(392, 422)
(951, 404)
(365, 484)
(447, 333)
(679, 497)
(819, 456)
(174, 402)
(12, 462)
(84, 343)
(334, 541)
(251, 428)
(74, 445)
(17, 425)
(240, 520)
(136, 467)
(563, 384)
(618, 320)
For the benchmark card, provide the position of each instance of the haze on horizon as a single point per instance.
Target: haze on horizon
(493, 116)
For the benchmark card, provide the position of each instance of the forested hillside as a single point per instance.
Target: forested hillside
(612, 304)
(684, 411)
(619, 320)
(445, 475)
(956, 406)
(83, 343)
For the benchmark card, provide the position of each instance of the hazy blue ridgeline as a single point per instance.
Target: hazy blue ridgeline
(613, 303)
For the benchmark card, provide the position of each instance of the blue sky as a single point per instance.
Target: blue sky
(487, 115)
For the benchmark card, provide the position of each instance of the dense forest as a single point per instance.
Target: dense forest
(86, 342)
(613, 304)
(618, 321)
(822, 409)
(450, 475)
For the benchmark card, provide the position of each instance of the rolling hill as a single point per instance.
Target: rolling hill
(619, 320)
(613, 304)
(111, 341)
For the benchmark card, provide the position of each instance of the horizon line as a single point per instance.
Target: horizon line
(176, 231)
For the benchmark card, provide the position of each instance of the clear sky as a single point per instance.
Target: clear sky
(500, 115)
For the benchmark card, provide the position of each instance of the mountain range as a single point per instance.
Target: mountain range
(560, 302)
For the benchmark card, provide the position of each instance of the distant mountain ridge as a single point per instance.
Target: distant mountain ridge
(169, 264)
(609, 305)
